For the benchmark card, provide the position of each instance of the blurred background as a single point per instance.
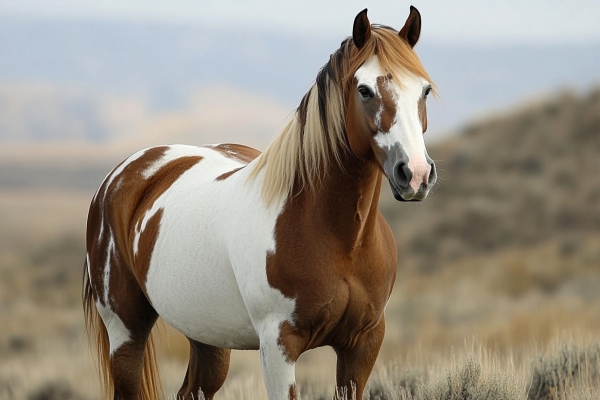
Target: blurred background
(504, 253)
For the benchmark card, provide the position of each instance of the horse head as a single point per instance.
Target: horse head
(386, 114)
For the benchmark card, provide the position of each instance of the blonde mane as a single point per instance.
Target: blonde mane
(316, 133)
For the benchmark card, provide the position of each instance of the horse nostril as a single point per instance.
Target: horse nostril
(403, 174)
(432, 175)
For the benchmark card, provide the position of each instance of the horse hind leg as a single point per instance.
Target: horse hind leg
(128, 318)
(207, 370)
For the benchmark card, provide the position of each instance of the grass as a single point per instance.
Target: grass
(571, 371)
(568, 371)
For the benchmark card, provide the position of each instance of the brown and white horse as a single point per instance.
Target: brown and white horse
(281, 252)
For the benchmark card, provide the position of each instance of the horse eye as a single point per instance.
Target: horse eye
(427, 91)
(365, 92)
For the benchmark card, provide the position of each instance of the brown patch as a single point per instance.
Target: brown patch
(292, 392)
(146, 244)
(423, 113)
(361, 118)
(227, 174)
(237, 152)
(291, 341)
(388, 105)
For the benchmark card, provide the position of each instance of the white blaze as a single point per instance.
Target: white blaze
(406, 130)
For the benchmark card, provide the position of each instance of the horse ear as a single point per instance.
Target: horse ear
(412, 27)
(361, 32)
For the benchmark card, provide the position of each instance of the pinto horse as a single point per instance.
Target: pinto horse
(281, 252)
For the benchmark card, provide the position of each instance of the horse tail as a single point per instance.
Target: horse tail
(150, 386)
(95, 330)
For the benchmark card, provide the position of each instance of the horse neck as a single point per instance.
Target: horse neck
(345, 203)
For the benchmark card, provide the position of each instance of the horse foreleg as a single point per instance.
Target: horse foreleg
(279, 351)
(207, 370)
(355, 365)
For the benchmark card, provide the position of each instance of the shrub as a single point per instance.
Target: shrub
(572, 372)
(469, 383)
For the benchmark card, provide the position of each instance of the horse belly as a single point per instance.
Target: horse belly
(201, 300)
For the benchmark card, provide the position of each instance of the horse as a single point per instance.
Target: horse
(281, 252)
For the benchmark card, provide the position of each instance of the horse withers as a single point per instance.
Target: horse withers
(281, 252)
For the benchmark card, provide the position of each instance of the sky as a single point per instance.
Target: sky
(490, 22)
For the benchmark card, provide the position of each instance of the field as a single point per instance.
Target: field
(498, 289)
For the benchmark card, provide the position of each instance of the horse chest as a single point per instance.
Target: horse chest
(332, 308)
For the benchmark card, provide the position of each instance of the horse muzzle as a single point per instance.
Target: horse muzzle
(410, 180)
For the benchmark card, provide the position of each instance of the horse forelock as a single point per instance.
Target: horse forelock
(393, 54)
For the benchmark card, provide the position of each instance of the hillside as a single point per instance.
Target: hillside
(512, 181)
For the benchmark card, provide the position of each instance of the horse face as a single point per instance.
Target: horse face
(389, 121)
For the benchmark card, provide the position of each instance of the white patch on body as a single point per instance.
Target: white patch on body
(207, 275)
(87, 264)
(106, 280)
(118, 334)
(406, 130)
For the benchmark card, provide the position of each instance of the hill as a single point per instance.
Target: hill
(511, 181)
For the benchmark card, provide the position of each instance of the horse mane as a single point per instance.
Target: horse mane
(316, 133)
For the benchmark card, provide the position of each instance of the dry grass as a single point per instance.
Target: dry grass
(570, 371)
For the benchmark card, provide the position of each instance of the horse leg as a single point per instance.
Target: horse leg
(355, 365)
(279, 351)
(128, 319)
(207, 370)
